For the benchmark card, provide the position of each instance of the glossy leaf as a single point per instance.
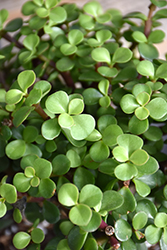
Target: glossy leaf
(21, 182)
(142, 188)
(8, 191)
(30, 134)
(99, 151)
(3, 209)
(26, 79)
(153, 234)
(139, 220)
(14, 96)
(145, 68)
(63, 245)
(58, 15)
(65, 120)
(76, 106)
(139, 157)
(101, 55)
(80, 215)
(148, 51)
(43, 168)
(123, 230)
(21, 240)
(91, 96)
(51, 129)
(156, 36)
(128, 103)
(61, 164)
(21, 115)
(64, 64)
(139, 37)
(74, 158)
(47, 188)
(83, 177)
(15, 149)
(111, 200)
(31, 41)
(3, 17)
(34, 97)
(160, 220)
(93, 224)
(37, 235)
(150, 167)
(157, 108)
(161, 71)
(125, 171)
(68, 194)
(148, 207)
(76, 238)
(130, 142)
(110, 134)
(120, 154)
(50, 212)
(93, 8)
(57, 102)
(90, 195)
(122, 55)
(75, 37)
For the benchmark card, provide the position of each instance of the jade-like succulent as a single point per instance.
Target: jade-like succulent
(83, 111)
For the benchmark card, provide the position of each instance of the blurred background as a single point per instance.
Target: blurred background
(125, 6)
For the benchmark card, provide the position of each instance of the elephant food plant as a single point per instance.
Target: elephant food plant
(83, 110)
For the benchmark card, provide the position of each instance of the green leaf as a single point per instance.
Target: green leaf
(91, 244)
(13, 96)
(47, 188)
(107, 72)
(43, 168)
(141, 113)
(42, 12)
(17, 216)
(93, 224)
(50, 212)
(50, 3)
(8, 192)
(76, 106)
(150, 167)
(156, 36)
(110, 134)
(101, 55)
(104, 18)
(128, 103)
(30, 134)
(145, 68)
(103, 35)
(159, 3)
(65, 120)
(143, 98)
(83, 126)
(108, 166)
(58, 15)
(161, 71)
(63, 245)
(44, 86)
(57, 103)
(83, 177)
(129, 203)
(139, 37)
(21, 182)
(76, 238)
(94, 136)
(50, 129)
(153, 234)
(37, 235)
(21, 114)
(68, 194)
(65, 64)
(15, 149)
(120, 154)
(139, 220)
(139, 157)
(87, 22)
(61, 164)
(148, 51)
(26, 79)
(91, 96)
(111, 200)
(14, 25)
(80, 214)
(104, 121)
(157, 108)
(74, 158)
(90, 195)
(68, 49)
(3, 17)
(3, 209)
(122, 55)
(29, 172)
(139, 88)
(99, 151)
(125, 171)
(28, 8)
(31, 41)
(21, 240)
(130, 142)
(153, 133)
(142, 188)
(160, 220)
(93, 8)
(123, 230)
(75, 37)
(148, 207)
(34, 97)
(66, 226)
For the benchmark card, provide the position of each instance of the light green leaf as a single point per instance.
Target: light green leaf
(68, 194)
(101, 55)
(80, 214)
(57, 103)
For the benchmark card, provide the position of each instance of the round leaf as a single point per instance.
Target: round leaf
(123, 230)
(63, 245)
(8, 192)
(153, 234)
(21, 114)
(139, 37)
(101, 55)
(13, 96)
(68, 49)
(83, 177)
(29, 172)
(65, 120)
(75, 36)
(142, 188)
(93, 8)
(128, 103)
(157, 108)
(110, 134)
(143, 98)
(137, 126)
(139, 220)
(37, 235)
(43, 168)
(122, 55)
(91, 96)
(161, 71)
(15, 149)
(125, 171)
(21, 240)
(30, 134)
(68, 194)
(76, 106)
(130, 142)
(61, 164)
(74, 158)
(21, 182)
(139, 157)
(90, 195)
(58, 102)
(93, 224)
(111, 200)
(47, 188)
(65, 64)
(153, 133)
(26, 79)
(99, 151)
(51, 212)
(76, 238)
(145, 68)
(148, 207)
(150, 167)
(148, 51)
(107, 72)
(51, 129)
(31, 41)
(160, 220)
(58, 15)
(120, 154)
(80, 215)
(3, 209)
(156, 36)
(83, 126)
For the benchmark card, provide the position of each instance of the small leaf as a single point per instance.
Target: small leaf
(87, 22)
(15, 149)
(143, 98)
(65, 120)
(21, 240)
(130, 142)
(3, 209)
(110, 134)
(14, 25)
(68, 49)
(111, 200)
(74, 158)
(34, 97)
(51, 129)
(93, 224)
(65, 64)
(58, 15)
(21, 182)
(29, 172)
(125, 171)
(145, 68)
(148, 207)
(83, 177)
(3, 17)
(148, 51)
(122, 55)
(21, 114)
(139, 37)
(153, 234)
(61, 164)
(157, 108)
(68, 194)
(51, 212)
(30, 134)
(31, 41)
(47, 188)
(90, 195)
(37, 235)
(26, 79)
(99, 151)
(8, 191)
(142, 188)
(80, 215)
(161, 71)
(93, 8)
(57, 103)
(50, 3)
(76, 238)
(43, 168)
(160, 220)
(13, 96)
(101, 55)
(75, 37)
(91, 96)
(103, 35)
(107, 72)
(139, 220)
(139, 157)
(17, 216)
(156, 36)
(128, 103)
(63, 245)
(123, 230)
(76, 106)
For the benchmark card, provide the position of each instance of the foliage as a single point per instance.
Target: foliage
(83, 126)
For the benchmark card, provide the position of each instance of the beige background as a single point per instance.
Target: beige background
(126, 6)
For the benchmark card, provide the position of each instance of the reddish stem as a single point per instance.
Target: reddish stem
(40, 111)
(148, 23)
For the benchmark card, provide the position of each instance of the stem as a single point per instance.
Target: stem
(12, 40)
(148, 23)
(40, 111)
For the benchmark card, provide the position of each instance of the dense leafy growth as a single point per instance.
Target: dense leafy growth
(83, 127)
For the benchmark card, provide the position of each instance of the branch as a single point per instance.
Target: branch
(148, 23)
(40, 111)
